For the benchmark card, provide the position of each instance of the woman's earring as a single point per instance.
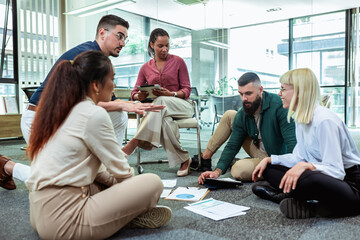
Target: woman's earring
(97, 93)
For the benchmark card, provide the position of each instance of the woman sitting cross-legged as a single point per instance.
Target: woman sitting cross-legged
(322, 175)
(170, 72)
(81, 185)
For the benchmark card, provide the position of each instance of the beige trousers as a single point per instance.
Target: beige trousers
(89, 213)
(242, 169)
(160, 128)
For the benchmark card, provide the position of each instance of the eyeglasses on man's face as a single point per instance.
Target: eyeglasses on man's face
(120, 36)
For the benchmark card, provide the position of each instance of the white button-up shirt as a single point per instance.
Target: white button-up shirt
(325, 142)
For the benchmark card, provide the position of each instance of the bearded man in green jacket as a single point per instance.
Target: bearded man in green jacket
(260, 127)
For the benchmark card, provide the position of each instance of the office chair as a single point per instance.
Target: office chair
(194, 95)
(222, 104)
(125, 94)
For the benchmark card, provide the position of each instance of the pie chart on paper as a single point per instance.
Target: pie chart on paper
(185, 196)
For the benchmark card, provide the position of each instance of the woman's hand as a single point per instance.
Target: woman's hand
(162, 92)
(260, 168)
(289, 180)
(208, 174)
(141, 95)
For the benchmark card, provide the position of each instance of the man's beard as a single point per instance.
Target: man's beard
(250, 111)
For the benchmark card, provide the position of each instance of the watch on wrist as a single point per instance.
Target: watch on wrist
(175, 94)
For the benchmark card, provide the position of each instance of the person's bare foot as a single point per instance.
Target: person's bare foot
(184, 168)
(184, 165)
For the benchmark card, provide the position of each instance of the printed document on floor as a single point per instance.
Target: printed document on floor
(216, 209)
(191, 194)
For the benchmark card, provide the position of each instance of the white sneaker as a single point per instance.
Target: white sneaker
(155, 218)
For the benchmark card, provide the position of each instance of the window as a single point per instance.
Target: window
(319, 44)
(8, 68)
(260, 49)
(39, 40)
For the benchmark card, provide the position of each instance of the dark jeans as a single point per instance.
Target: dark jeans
(341, 198)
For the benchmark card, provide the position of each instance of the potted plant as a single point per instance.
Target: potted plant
(223, 87)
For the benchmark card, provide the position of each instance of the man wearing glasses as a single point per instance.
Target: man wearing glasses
(260, 127)
(111, 37)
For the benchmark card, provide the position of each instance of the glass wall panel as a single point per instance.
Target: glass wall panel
(337, 99)
(38, 23)
(7, 98)
(39, 39)
(260, 49)
(8, 76)
(319, 44)
(6, 41)
(354, 70)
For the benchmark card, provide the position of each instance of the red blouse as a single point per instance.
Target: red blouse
(174, 75)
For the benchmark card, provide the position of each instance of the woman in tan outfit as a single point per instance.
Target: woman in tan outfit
(81, 185)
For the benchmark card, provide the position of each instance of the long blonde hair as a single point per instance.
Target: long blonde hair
(306, 94)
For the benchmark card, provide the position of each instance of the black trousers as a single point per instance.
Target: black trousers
(340, 197)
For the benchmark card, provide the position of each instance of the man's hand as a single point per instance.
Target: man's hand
(209, 174)
(289, 180)
(260, 168)
(139, 108)
(142, 108)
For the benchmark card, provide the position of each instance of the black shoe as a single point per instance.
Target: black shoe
(264, 190)
(205, 164)
(297, 209)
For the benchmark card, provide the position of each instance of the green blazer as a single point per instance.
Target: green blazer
(278, 136)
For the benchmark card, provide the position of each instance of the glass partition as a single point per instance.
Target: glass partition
(8, 58)
(259, 49)
(319, 44)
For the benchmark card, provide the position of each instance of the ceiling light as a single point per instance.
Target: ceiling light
(191, 2)
(99, 7)
(216, 44)
(274, 9)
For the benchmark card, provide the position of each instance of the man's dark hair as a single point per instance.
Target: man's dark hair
(248, 78)
(110, 21)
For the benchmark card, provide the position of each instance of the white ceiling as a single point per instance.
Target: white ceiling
(233, 13)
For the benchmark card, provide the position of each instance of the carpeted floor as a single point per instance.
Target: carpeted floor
(262, 221)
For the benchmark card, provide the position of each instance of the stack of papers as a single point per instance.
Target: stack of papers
(168, 185)
(217, 210)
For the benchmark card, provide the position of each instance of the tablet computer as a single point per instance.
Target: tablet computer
(215, 183)
(149, 88)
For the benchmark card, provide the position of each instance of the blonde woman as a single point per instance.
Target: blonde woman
(322, 175)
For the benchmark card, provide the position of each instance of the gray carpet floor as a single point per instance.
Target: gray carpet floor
(263, 221)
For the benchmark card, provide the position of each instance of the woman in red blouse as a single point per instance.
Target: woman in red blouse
(170, 72)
